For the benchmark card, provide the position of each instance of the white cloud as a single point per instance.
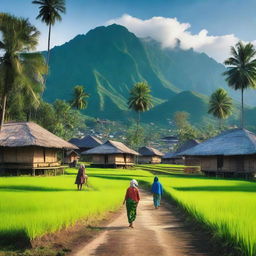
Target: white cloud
(168, 30)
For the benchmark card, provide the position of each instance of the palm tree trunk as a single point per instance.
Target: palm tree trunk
(137, 135)
(137, 131)
(48, 52)
(4, 98)
(220, 123)
(49, 43)
(242, 108)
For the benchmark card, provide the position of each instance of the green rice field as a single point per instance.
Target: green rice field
(33, 206)
(228, 207)
(38, 205)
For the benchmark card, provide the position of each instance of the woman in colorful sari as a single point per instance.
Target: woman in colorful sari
(157, 190)
(132, 198)
(81, 178)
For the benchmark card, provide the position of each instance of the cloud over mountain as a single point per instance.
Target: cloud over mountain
(169, 32)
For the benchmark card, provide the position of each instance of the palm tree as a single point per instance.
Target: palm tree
(140, 100)
(220, 105)
(49, 13)
(79, 101)
(18, 68)
(241, 73)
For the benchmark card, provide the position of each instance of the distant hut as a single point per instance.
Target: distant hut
(149, 155)
(28, 148)
(176, 157)
(86, 143)
(232, 153)
(71, 156)
(112, 154)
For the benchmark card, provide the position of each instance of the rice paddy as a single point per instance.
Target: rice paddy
(227, 207)
(33, 206)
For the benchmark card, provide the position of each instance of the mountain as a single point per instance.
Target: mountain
(109, 60)
(193, 103)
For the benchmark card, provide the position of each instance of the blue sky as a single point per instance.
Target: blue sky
(218, 17)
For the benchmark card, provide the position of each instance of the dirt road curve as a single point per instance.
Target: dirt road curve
(157, 232)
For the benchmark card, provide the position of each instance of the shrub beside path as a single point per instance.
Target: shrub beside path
(158, 232)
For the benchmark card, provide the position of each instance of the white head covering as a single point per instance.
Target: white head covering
(134, 183)
(82, 166)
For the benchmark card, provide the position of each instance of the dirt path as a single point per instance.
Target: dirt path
(157, 232)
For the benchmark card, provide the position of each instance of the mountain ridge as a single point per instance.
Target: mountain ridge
(109, 60)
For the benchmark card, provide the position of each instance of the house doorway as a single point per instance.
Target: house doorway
(106, 159)
(220, 162)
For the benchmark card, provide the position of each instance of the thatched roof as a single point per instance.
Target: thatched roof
(179, 152)
(86, 142)
(110, 147)
(230, 142)
(148, 151)
(30, 134)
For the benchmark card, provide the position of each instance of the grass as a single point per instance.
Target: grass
(33, 206)
(165, 168)
(227, 207)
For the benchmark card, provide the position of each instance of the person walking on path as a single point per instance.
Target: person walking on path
(132, 198)
(157, 190)
(81, 177)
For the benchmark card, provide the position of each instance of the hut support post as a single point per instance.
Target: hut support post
(33, 172)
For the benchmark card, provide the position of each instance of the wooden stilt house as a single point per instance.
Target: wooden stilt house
(28, 148)
(149, 155)
(71, 156)
(112, 154)
(176, 157)
(232, 153)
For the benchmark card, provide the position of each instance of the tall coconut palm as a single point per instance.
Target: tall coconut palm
(140, 100)
(18, 68)
(241, 73)
(220, 105)
(79, 101)
(50, 12)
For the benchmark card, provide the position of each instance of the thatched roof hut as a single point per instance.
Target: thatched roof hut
(27, 145)
(232, 151)
(112, 154)
(149, 155)
(71, 157)
(86, 143)
(26, 134)
(176, 156)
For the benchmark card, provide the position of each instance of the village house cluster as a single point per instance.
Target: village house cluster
(27, 148)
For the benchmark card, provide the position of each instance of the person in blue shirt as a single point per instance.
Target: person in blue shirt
(157, 190)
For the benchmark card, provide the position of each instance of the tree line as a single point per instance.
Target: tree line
(23, 75)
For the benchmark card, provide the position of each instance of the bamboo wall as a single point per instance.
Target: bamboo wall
(150, 159)
(24, 157)
(71, 158)
(118, 159)
(231, 164)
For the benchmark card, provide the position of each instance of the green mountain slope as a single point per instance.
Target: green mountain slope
(186, 69)
(193, 103)
(109, 60)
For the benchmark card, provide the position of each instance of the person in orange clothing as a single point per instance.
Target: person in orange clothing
(132, 198)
